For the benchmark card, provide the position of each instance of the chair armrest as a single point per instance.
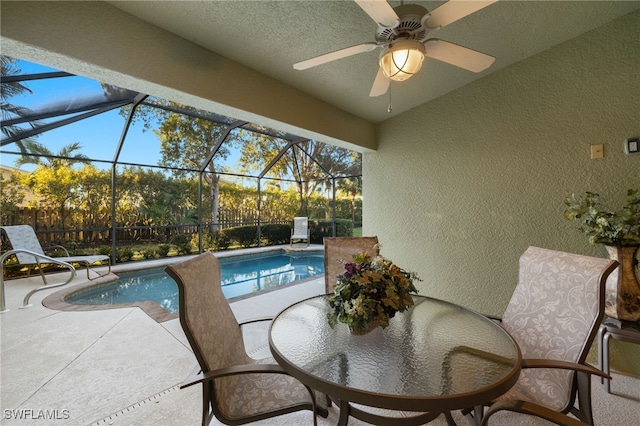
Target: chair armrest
(480, 354)
(531, 409)
(565, 365)
(252, 320)
(231, 371)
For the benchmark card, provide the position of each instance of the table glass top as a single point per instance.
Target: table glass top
(433, 349)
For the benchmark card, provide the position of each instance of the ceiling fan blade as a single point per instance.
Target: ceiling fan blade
(459, 56)
(453, 10)
(380, 11)
(338, 54)
(380, 85)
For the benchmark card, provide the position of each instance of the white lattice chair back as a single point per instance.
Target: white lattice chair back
(553, 314)
(300, 226)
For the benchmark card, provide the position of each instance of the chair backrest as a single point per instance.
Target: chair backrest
(205, 315)
(300, 226)
(555, 312)
(23, 237)
(339, 250)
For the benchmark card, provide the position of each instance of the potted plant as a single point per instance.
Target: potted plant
(619, 231)
(369, 293)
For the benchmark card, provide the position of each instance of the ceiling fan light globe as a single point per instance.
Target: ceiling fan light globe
(402, 59)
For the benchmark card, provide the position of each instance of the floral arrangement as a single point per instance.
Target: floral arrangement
(601, 225)
(370, 292)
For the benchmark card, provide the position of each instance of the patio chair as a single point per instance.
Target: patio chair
(553, 315)
(300, 230)
(236, 389)
(23, 237)
(338, 250)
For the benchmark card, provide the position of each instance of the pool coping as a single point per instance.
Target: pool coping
(57, 300)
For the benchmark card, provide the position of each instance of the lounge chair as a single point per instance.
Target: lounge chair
(300, 231)
(236, 389)
(338, 250)
(23, 237)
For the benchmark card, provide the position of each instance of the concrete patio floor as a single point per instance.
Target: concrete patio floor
(121, 367)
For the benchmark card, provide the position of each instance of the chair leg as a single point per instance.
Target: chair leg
(584, 397)
(207, 407)
(474, 416)
(42, 274)
(601, 331)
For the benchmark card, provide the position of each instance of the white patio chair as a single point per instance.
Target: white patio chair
(23, 237)
(300, 230)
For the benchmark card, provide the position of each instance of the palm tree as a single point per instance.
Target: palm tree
(59, 193)
(9, 90)
(38, 154)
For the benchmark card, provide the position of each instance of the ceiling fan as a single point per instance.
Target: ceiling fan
(403, 36)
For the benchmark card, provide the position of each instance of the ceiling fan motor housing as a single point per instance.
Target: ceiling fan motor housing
(411, 25)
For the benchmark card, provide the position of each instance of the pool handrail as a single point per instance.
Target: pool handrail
(25, 303)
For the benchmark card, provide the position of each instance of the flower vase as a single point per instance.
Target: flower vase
(373, 324)
(622, 291)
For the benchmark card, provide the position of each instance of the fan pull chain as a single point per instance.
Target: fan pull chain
(390, 106)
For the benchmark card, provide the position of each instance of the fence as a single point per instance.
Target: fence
(46, 222)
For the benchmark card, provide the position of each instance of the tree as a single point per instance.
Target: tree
(38, 154)
(53, 180)
(310, 164)
(11, 195)
(151, 198)
(92, 208)
(351, 186)
(187, 137)
(9, 90)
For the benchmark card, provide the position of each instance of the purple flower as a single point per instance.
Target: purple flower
(350, 269)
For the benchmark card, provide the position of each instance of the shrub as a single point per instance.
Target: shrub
(212, 241)
(182, 243)
(246, 236)
(124, 254)
(163, 250)
(219, 241)
(57, 252)
(150, 253)
(72, 247)
(276, 233)
(104, 250)
(318, 229)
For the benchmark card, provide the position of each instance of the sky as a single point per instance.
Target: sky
(97, 135)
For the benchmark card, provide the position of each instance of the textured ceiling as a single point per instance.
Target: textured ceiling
(270, 36)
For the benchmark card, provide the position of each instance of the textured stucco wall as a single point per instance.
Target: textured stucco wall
(461, 186)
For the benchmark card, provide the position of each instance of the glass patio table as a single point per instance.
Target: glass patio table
(433, 358)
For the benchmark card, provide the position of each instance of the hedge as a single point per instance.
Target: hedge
(276, 233)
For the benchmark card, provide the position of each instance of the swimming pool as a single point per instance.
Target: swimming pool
(240, 275)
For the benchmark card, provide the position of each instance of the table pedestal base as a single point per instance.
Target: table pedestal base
(348, 410)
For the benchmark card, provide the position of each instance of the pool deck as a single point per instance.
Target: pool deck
(122, 367)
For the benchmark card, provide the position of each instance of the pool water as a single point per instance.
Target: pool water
(240, 275)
